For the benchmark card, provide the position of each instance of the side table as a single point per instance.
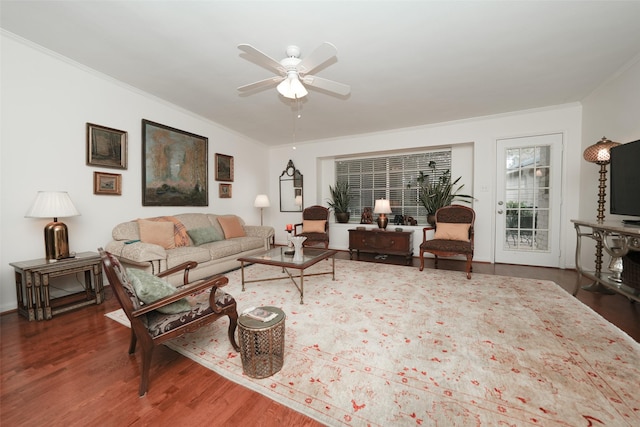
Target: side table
(32, 284)
(261, 344)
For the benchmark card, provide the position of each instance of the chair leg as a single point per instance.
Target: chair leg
(469, 267)
(233, 323)
(435, 261)
(421, 260)
(132, 343)
(146, 365)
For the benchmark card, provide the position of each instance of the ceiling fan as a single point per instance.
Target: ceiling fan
(293, 72)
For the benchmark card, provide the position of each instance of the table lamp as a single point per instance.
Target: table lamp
(262, 201)
(382, 208)
(54, 204)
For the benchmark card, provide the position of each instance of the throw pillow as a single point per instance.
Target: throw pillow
(150, 288)
(157, 232)
(231, 226)
(204, 235)
(313, 226)
(452, 231)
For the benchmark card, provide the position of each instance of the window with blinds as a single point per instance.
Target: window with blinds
(392, 178)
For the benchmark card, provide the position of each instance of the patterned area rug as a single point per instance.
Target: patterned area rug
(388, 345)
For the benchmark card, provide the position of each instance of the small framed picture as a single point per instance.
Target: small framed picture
(225, 191)
(106, 147)
(107, 183)
(224, 167)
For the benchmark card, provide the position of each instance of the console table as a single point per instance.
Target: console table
(32, 284)
(617, 240)
(379, 241)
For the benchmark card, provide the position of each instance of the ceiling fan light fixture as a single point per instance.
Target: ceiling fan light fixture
(291, 87)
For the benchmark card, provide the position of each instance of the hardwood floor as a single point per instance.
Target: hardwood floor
(75, 370)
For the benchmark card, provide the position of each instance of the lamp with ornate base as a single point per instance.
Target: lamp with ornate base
(382, 208)
(599, 154)
(54, 204)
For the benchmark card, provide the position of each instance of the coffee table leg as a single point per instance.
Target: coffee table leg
(242, 273)
(333, 267)
(301, 286)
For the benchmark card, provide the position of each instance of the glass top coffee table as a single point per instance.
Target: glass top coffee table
(283, 257)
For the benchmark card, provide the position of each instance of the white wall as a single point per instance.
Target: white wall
(46, 103)
(478, 175)
(613, 110)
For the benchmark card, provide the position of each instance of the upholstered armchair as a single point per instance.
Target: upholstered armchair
(182, 309)
(314, 226)
(453, 235)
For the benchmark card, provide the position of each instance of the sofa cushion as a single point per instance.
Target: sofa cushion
(204, 235)
(150, 288)
(126, 231)
(177, 256)
(313, 225)
(452, 231)
(194, 220)
(223, 248)
(231, 226)
(248, 243)
(157, 232)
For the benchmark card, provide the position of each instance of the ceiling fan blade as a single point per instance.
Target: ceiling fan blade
(328, 85)
(262, 58)
(261, 83)
(323, 53)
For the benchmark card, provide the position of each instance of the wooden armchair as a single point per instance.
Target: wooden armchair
(453, 235)
(151, 327)
(314, 226)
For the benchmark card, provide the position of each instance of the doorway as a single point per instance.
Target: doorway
(528, 197)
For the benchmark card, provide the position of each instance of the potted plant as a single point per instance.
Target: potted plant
(340, 199)
(437, 192)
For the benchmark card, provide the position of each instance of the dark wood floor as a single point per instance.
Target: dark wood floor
(75, 370)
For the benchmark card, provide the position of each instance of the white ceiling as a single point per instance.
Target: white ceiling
(409, 63)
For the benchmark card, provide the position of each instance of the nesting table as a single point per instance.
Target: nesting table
(32, 285)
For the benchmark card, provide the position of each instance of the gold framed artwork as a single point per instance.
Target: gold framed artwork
(174, 167)
(224, 167)
(107, 183)
(225, 191)
(106, 147)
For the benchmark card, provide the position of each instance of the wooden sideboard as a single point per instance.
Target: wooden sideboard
(382, 242)
(617, 240)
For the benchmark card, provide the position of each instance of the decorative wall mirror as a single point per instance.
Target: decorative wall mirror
(291, 189)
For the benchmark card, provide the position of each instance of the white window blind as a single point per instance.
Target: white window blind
(392, 178)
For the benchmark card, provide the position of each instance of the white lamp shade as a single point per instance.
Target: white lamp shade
(262, 201)
(382, 207)
(52, 204)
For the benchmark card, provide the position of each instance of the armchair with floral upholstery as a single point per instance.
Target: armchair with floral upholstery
(158, 311)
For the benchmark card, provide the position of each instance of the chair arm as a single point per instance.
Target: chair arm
(184, 291)
(424, 233)
(186, 266)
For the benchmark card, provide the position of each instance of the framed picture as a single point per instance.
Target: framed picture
(107, 183)
(224, 167)
(174, 167)
(106, 147)
(225, 191)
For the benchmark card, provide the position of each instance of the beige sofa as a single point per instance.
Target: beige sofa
(215, 242)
